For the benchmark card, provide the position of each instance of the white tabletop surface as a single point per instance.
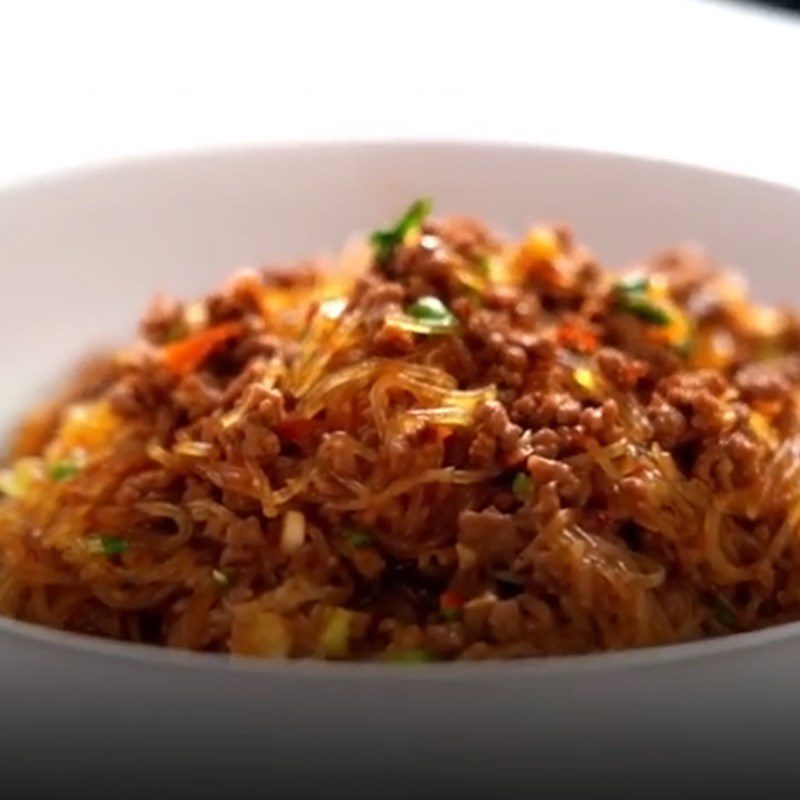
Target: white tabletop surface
(692, 80)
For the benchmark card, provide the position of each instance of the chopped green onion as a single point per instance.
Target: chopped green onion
(633, 284)
(411, 657)
(646, 310)
(385, 241)
(424, 327)
(333, 308)
(522, 486)
(451, 605)
(222, 579)
(632, 299)
(63, 470)
(108, 545)
(482, 266)
(432, 310)
(357, 538)
(724, 614)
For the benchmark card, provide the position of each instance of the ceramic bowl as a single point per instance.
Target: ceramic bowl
(80, 255)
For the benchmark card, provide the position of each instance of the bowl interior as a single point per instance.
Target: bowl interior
(82, 253)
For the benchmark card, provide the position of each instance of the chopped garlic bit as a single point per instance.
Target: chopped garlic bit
(221, 578)
(429, 242)
(195, 316)
(585, 378)
(467, 557)
(232, 418)
(333, 308)
(18, 479)
(194, 449)
(256, 632)
(293, 534)
(155, 452)
(486, 599)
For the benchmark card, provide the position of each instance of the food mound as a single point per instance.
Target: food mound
(439, 445)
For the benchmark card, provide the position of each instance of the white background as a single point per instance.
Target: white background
(690, 80)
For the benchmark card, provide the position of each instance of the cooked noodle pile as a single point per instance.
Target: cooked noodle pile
(439, 446)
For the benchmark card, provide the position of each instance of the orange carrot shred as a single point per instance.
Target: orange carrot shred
(576, 337)
(188, 354)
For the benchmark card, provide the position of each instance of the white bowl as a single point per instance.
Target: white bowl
(81, 253)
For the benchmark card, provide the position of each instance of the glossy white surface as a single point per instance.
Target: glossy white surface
(80, 255)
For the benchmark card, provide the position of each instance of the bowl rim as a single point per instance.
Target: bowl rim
(562, 666)
(566, 667)
(293, 147)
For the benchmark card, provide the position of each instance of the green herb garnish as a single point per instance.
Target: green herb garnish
(633, 284)
(521, 486)
(483, 266)
(357, 538)
(109, 545)
(411, 657)
(646, 310)
(724, 614)
(63, 470)
(632, 299)
(432, 310)
(385, 241)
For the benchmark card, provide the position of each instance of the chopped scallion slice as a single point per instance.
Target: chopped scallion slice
(63, 470)
(385, 241)
(483, 266)
(108, 545)
(521, 486)
(633, 283)
(357, 538)
(644, 309)
(424, 327)
(432, 310)
(633, 299)
(724, 614)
